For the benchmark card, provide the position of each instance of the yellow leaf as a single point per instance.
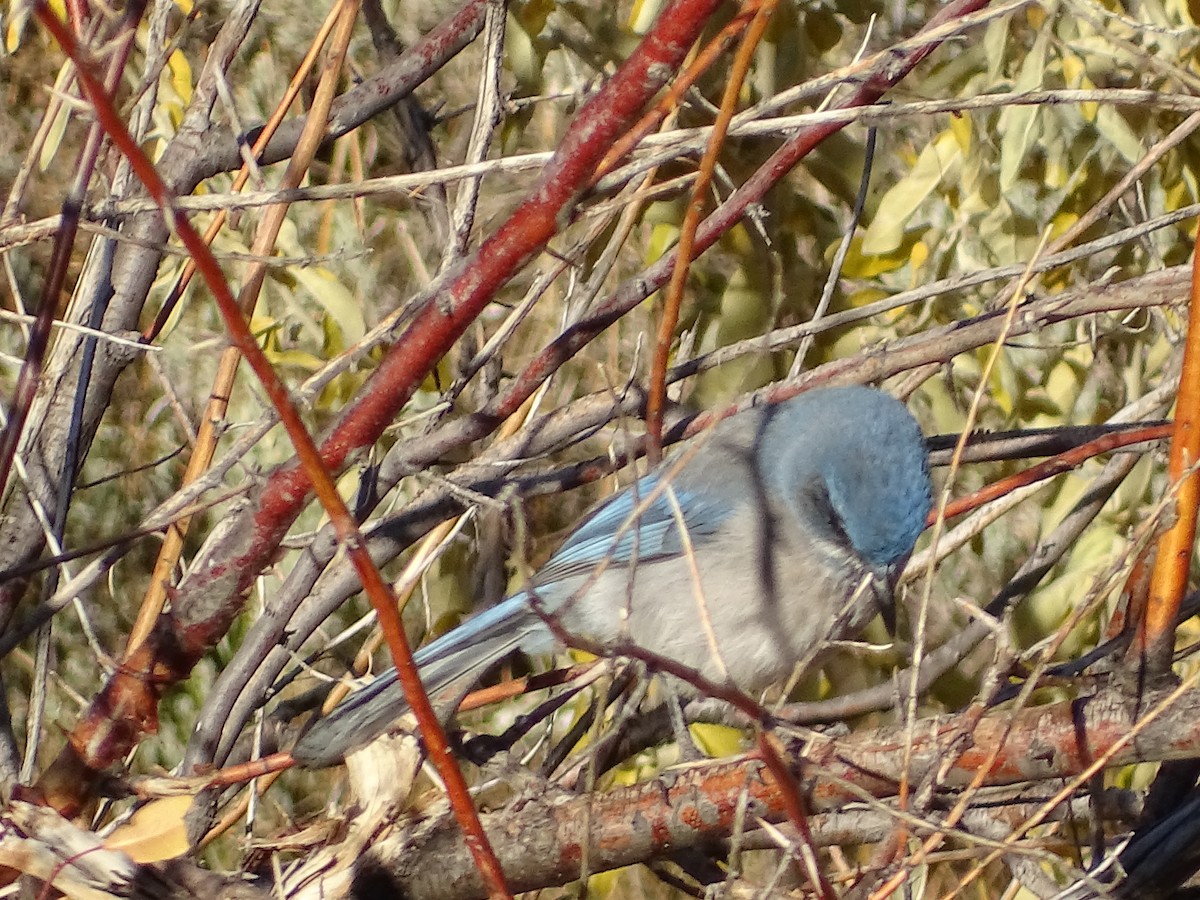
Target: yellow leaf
(1059, 169)
(533, 14)
(940, 159)
(1060, 223)
(643, 14)
(524, 59)
(154, 832)
(1074, 71)
(14, 27)
(857, 264)
(1075, 75)
(1177, 195)
(54, 136)
(920, 253)
(181, 76)
(716, 741)
(262, 325)
(662, 238)
(298, 358)
(865, 297)
(960, 127)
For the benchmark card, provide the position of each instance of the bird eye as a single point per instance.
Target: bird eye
(817, 496)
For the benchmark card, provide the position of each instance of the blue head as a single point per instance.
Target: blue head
(857, 458)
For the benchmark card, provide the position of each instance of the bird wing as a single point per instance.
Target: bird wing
(644, 522)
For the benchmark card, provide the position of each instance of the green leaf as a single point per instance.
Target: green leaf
(337, 300)
(1111, 124)
(1019, 125)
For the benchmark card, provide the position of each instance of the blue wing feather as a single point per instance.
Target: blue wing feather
(638, 524)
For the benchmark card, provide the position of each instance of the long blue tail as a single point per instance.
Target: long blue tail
(456, 658)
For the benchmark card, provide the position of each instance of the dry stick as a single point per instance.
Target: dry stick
(1155, 640)
(218, 398)
(677, 142)
(238, 808)
(1097, 765)
(488, 113)
(39, 335)
(268, 131)
(673, 301)
(910, 712)
(30, 376)
(694, 806)
(68, 785)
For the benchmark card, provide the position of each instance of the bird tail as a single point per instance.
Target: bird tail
(458, 657)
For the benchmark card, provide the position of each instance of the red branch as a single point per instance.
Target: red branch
(439, 324)
(1056, 465)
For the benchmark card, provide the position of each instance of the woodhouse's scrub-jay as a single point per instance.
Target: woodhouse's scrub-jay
(778, 529)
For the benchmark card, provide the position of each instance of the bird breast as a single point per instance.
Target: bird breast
(762, 593)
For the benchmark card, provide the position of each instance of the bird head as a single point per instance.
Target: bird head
(862, 453)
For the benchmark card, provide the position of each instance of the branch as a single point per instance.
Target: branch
(541, 840)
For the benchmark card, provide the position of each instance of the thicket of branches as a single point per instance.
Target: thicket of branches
(480, 261)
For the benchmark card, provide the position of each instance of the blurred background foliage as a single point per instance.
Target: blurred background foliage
(950, 194)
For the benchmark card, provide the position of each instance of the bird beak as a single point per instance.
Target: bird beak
(887, 608)
(887, 594)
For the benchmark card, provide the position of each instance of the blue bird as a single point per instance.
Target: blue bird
(739, 556)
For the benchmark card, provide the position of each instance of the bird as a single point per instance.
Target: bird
(778, 529)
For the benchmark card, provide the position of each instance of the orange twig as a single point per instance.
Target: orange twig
(243, 175)
(1156, 638)
(673, 95)
(656, 399)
